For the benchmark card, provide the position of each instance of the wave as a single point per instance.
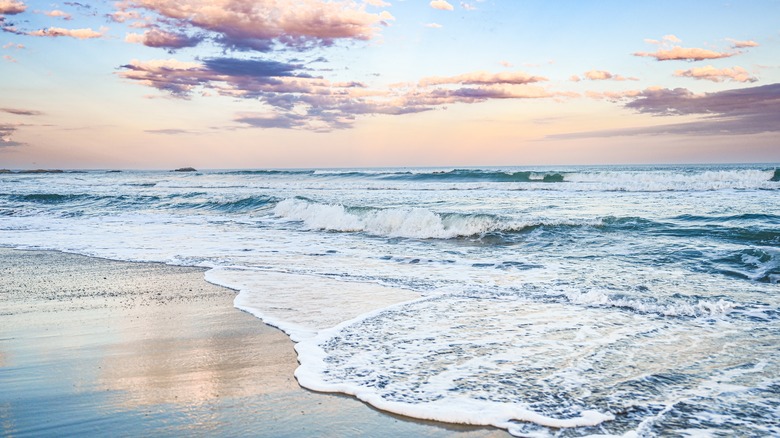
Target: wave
(181, 201)
(51, 198)
(267, 172)
(628, 179)
(478, 175)
(409, 222)
(241, 205)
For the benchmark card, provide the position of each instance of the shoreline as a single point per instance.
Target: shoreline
(94, 346)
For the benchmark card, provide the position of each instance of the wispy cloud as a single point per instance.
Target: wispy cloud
(81, 34)
(710, 73)
(742, 44)
(441, 5)
(21, 112)
(6, 135)
(483, 78)
(603, 75)
(170, 131)
(434, 25)
(263, 24)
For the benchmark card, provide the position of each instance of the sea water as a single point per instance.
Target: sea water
(571, 301)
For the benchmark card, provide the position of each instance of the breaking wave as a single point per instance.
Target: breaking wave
(409, 222)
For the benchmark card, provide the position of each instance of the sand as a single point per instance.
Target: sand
(92, 347)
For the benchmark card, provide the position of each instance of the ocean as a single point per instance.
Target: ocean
(560, 301)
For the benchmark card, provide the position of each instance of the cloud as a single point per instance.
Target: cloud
(377, 3)
(263, 24)
(602, 75)
(441, 5)
(169, 131)
(21, 112)
(684, 54)
(664, 40)
(613, 95)
(11, 7)
(6, 135)
(163, 39)
(59, 14)
(483, 78)
(81, 34)
(14, 46)
(10, 58)
(468, 6)
(434, 25)
(742, 111)
(671, 52)
(258, 68)
(710, 73)
(273, 120)
(297, 100)
(742, 44)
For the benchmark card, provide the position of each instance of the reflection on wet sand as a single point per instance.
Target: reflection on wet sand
(191, 353)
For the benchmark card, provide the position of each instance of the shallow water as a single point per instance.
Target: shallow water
(614, 300)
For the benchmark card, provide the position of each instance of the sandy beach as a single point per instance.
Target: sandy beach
(97, 347)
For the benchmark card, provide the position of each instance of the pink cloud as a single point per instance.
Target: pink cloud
(743, 44)
(59, 14)
(664, 40)
(710, 73)
(11, 7)
(613, 95)
(441, 5)
(684, 54)
(483, 78)
(260, 24)
(81, 34)
(602, 75)
(434, 25)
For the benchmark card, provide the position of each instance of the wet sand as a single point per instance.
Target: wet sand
(103, 348)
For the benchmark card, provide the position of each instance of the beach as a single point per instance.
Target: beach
(94, 347)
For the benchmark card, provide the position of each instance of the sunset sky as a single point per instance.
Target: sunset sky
(311, 83)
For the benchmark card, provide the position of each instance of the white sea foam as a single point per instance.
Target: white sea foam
(508, 363)
(660, 180)
(705, 308)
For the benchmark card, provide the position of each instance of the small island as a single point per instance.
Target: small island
(186, 169)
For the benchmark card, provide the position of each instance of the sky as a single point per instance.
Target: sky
(154, 84)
